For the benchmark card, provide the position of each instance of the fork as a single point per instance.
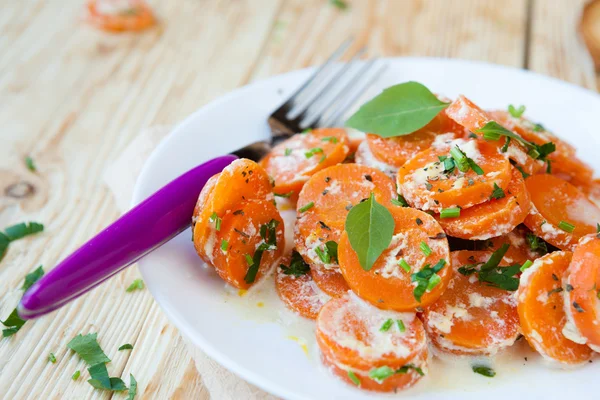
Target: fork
(321, 101)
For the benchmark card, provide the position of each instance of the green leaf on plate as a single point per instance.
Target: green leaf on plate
(397, 111)
(370, 227)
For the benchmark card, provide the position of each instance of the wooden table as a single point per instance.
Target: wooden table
(73, 98)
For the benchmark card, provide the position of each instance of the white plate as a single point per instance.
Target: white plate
(248, 340)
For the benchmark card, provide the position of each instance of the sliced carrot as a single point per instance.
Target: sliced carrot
(364, 156)
(388, 285)
(408, 376)
(425, 185)
(108, 16)
(242, 180)
(471, 317)
(292, 162)
(520, 249)
(354, 335)
(591, 189)
(323, 205)
(397, 150)
(582, 294)
(493, 218)
(299, 293)
(541, 311)
(472, 117)
(236, 240)
(564, 162)
(557, 203)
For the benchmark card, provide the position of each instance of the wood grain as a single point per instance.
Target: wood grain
(73, 98)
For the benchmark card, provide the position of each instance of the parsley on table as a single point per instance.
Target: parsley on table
(126, 346)
(30, 164)
(14, 323)
(88, 348)
(76, 375)
(137, 284)
(16, 232)
(32, 277)
(52, 358)
(483, 370)
(297, 267)
(132, 387)
(340, 4)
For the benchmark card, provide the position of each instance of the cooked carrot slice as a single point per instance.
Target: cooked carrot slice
(408, 376)
(541, 311)
(564, 162)
(299, 293)
(357, 336)
(493, 218)
(419, 241)
(323, 205)
(524, 246)
(582, 294)
(242, 180)
(292, 162)
(591, 189)
(472, 117)
(397, 150)
(111, 16)
(236, 240)
(364, 156)
(557, 205)
(471, 317)
(425, 184)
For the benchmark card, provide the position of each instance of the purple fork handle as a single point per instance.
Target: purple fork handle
(146, 227)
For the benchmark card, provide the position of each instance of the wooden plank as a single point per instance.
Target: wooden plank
(556, 48)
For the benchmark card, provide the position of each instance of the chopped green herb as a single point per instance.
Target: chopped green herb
(307, 130)
(332, 250)
(504, 148)
(565, 226)
(423, 278)
(381, 373)
(137, 284)
(330, 139)
(312, 152)
(21, 230)
(522, 171)
(404, 265)
(425, 249)
(401, 326)
(88, 349)
(516, 112)
(386, 325)
(498, 193)
(353, 378)
(538, 128)
(526, 264)
(400, 201)
(215, 218)
(453, 212)
(548, 166)
(483, 370)
(32, 277)
(476, 168)
(306, 207)
(4, 241)
(269, 235)
(460, 159)
(397, 111)
(284, 195)
(323, 255)
(370, 227)
(249, 259)
(132, 388)
(52, 358)
(126, 346)
(340, 4)
(493, 130)
(287, 152)
(536, 244)
(298, 266)
(433, 281)
(30, 164)
(76, 375)
(13, 324)
(100, 380)
(224, 245)
(408, 367)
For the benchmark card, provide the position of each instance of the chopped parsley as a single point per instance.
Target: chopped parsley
(13, 322)
(268, 233)
(52, 358)
(88, 349)
(516, 112)
(536, 244)
(137, 284)
(483, 370)
(340, 4)
(132, 388)
(462, 162)
(400, 201)
(330, 139)
(494, 275)
(21, 230)
(287, 152)
(386, 325)
(313, 151)
(284, 195)
(498, 193)
(382, 373)
(76, 375)
(297, 267)
(306, 207)
(32, 277)
(424, 277)
(126, 346)
(30, 164)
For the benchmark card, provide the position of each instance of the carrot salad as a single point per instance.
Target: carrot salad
(446, 230)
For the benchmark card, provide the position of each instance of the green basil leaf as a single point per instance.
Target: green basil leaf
(298, 266)
(126, 346)
(99, 376)
(370, 227)
(397, 111)
(88, 349)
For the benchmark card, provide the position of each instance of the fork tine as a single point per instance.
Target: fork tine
(313, 120)
(302, 110)
(319, 72)
(341, 109)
